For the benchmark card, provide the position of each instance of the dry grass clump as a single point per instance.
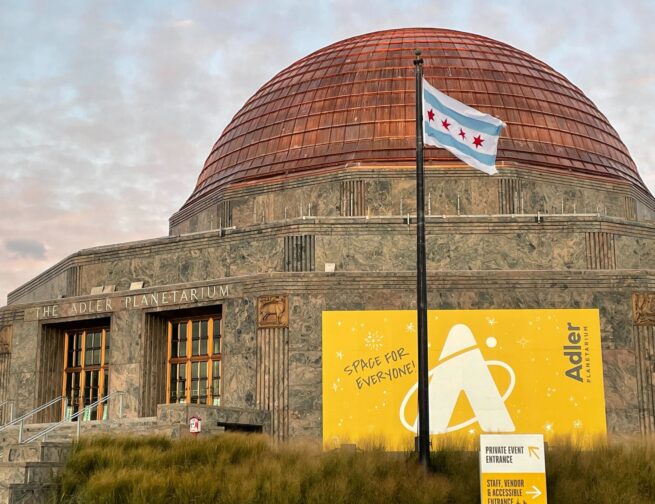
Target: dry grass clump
(238, 468)
(234, 468)
(620, 472)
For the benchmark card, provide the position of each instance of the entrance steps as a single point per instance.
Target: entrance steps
(28, 469)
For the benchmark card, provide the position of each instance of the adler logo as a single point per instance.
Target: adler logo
(573, 352)
(462, 368)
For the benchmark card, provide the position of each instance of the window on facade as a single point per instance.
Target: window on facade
(194, 361)
(86, 372)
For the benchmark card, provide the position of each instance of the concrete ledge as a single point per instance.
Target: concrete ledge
(216, 418)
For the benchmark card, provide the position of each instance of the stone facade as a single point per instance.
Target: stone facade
(387, 191)
(519, 240)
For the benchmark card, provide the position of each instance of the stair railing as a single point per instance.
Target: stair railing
(33, 412)
(77, 416)
(11, 408)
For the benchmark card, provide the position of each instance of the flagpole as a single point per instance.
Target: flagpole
(421, 278)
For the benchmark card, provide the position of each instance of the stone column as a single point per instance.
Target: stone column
(238, 360)
(22, 373)
(126, 361)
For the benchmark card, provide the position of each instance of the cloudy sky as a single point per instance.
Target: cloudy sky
(109, 109)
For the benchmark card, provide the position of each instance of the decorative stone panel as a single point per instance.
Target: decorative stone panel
(645, 359)
(601, 251)
(509, 195)
(73, 281)
(225, 214)
(353, 198)
(272, 392)
(5, 339)
(5, 410)
(155, 353)
(50, 369)
(299, 253)
(643, 309)
(5, 361)
(272, 311)
(630, 208)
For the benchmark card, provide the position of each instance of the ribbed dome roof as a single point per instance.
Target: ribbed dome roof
(353, 101)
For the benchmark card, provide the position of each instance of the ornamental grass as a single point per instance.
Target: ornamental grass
(248, 468)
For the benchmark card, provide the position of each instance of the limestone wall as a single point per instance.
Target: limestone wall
(457, 243)
(296, 400)
(384, 191)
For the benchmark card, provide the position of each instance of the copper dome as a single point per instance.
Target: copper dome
(353, 101)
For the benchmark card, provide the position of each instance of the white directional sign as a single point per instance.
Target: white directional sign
(512, 469)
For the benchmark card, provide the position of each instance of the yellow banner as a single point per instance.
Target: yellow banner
(513, 371)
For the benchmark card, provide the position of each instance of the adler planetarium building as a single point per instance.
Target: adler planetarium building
(282, 298)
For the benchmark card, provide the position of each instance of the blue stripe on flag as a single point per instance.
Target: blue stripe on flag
(468, 122)
(448, 141)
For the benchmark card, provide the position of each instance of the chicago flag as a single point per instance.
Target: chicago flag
(467, 133)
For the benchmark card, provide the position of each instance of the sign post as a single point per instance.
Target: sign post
(512, 469)
(423, 429)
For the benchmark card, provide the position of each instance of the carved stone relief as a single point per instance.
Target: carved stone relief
(273, 311)
(643, 308)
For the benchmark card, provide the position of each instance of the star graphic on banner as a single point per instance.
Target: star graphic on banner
(461, 133)
(477, 141)
(445, 123)
(430, 115)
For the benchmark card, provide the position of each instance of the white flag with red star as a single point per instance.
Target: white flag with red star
(467, 133)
